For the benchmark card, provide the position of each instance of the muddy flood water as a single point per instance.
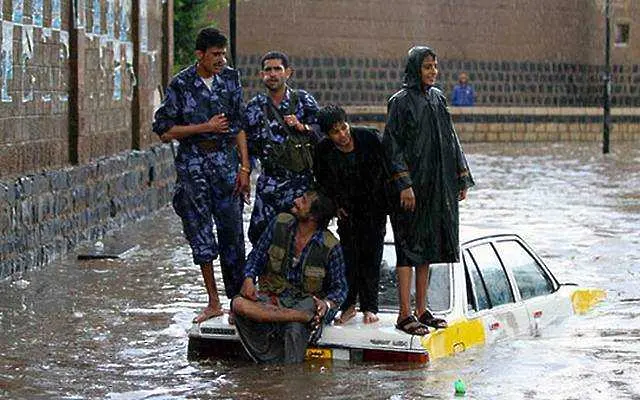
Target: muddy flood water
(117, 329)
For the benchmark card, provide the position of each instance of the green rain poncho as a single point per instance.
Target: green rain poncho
(425, 154)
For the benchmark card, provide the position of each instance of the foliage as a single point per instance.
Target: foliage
(189, 17)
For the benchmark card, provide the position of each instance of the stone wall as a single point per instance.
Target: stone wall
(524, 53)
(371, 81)
(79, 80)
(524, 124)
(44, 215)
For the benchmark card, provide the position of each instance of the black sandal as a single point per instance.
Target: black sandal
(315, 328)
(412, 326)
(429, 320)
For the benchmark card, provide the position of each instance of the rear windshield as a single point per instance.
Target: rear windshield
(439, 293)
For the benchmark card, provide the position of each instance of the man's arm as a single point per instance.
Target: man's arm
(168, 122)
(242, 182)
(394, 145)
(217, 124)
(335, 280)
(257, 259)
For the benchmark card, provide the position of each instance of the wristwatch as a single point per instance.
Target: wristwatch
(328, 306)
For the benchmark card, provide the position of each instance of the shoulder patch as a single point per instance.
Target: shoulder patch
(330, 240)
(285, 218)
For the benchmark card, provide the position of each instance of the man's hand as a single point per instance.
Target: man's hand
(342, 213)
(243, 186)
(218, 123)
(321, 310)
(462, 195)
(248, 290)
(408, 200)
(293, 122)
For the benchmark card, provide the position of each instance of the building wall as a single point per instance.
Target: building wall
(78, 85)
(529, 52)
(524, 124)
(72, 91)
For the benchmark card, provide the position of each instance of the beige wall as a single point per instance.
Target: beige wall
(514, 30)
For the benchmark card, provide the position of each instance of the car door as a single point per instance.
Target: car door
(493, 294)
(535, 285)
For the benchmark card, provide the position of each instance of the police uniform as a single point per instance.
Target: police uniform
(279, 182)
(206, 169)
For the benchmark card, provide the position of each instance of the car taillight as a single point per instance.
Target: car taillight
(394, 356)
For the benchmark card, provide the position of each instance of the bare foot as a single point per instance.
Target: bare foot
(346, 315)
(370, 318)
(208, 312)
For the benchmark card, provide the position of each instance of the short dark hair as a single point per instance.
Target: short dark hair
(275, 55)
(329, 115)
(323, 209)
(210, 37)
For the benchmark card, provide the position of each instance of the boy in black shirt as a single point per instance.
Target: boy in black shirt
(349, 166)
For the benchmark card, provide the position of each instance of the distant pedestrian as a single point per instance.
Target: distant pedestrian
(202, 110)
(463, 93)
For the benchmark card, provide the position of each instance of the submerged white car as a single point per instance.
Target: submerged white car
(500, 289)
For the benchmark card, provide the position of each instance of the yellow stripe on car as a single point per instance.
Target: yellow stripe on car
(584, 299)
(457, 337)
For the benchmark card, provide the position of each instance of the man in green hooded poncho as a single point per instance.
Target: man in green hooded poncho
(431, 174)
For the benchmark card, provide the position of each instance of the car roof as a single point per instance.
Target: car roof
(470, 234)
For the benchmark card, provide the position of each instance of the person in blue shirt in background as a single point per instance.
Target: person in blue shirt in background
(463, 94)
(202, 110)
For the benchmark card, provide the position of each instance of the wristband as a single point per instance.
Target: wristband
(245, 169)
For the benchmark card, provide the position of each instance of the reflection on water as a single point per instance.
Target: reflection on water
(116, 329)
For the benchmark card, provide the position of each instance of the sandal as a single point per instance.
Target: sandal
(315, 329)
(412, 326)
(429, 320)
(316, 333)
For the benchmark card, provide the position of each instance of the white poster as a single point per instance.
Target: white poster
(36, 12)
(6, 59)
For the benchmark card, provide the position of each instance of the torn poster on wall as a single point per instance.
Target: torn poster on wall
(117, 72)
(6, 58)
(56, 20)
(125, 13)
(18, 7)
(144, 27)
(96, 17)
(36, 12)
(111, 19)
(28, 79)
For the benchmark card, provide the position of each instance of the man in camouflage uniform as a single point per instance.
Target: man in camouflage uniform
(202, 110)
(280, 135)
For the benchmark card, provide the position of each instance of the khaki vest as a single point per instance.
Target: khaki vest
(274, 279)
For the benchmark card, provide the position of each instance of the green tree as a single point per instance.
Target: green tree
(189, 17)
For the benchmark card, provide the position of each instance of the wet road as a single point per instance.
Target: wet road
(117, 329)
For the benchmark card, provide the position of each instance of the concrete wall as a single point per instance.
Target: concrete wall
(527, 52)
(79, 81)
(524, 124)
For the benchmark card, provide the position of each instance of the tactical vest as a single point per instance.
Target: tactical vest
(274, 279)
(296, 152)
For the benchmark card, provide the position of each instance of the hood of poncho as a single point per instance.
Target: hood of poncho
(412, 78)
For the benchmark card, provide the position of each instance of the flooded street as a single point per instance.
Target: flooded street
(116, 329)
